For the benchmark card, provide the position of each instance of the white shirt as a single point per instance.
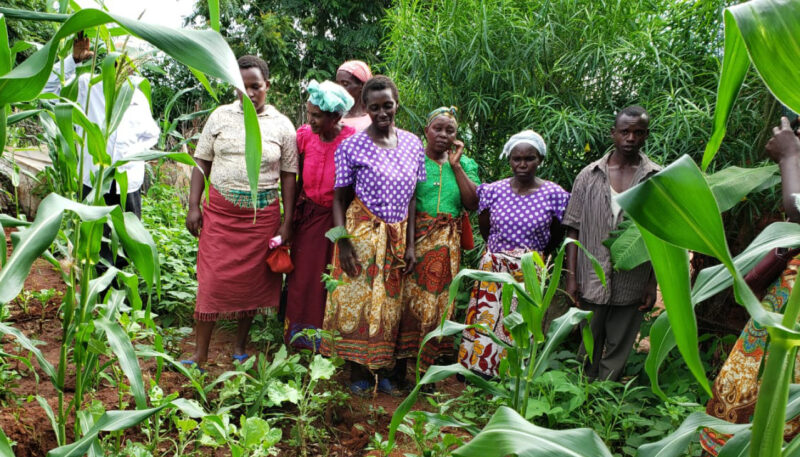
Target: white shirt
(137, 132)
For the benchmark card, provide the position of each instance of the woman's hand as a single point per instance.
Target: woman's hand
(348, 259)
(784, 143)
(194, 220)
(455, 157)
(285, 232)
(410, 258)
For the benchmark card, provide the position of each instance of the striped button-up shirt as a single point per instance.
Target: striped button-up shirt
(589, 212)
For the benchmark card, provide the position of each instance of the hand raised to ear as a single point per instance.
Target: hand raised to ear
(81, 48)
(784, 142)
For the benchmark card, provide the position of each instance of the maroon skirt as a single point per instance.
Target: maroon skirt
(233, 280)
(311, 253)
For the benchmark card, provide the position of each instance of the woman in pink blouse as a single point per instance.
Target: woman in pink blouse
(311, 251)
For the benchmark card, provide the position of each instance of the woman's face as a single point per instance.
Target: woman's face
(524, 160)
(381, 107)
(351, 84)
(321, 122)
(441, 133)
(256, 87)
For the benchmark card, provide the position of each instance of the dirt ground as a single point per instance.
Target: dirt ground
(27, 424)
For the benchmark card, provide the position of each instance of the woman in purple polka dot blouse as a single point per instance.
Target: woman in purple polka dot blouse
(516, 215)
(377, 171)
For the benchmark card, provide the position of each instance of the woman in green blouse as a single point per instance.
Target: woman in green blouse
(442, 199)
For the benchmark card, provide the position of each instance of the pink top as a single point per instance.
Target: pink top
(359, 123)
(319, 171)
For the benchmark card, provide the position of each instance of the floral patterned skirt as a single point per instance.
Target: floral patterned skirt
(365, 311)
(425, 292)
(736, 387)
(477, 351)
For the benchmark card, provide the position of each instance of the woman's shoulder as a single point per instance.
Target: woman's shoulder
(303, 131)
(356, 139)
(467, 163)
(554, 188)
(408, 138)
(493, 187)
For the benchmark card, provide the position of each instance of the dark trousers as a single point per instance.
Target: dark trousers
(133, 204)
(614, 329)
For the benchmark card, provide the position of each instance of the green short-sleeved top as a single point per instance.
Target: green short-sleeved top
(439, 192)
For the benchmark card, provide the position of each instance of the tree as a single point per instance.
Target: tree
(563, 68)
(300, 40)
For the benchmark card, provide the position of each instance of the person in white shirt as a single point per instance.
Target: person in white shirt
(137, 131)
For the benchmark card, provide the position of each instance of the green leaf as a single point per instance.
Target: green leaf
(279, 392)
(139, 246)
(121, 345)
(671, 266)
(203, 50)
(509, 433)
(5, 51)
(30, 345)
(110, 421)
(254, 432)
(435, 374)
(34, 240)
(559, 329)
(675, 444)
(5, 445)
(766, 33)
(321, 368)
(252, 147)
(213, 13)
(337, 233)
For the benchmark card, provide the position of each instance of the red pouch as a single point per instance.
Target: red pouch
(279, 261)
(467, 240)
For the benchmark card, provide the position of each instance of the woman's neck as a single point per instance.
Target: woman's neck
(331, 135)
(357, 110)
(436, 156)
(523, 186)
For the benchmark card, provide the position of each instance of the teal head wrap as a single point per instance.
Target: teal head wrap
(329, 96)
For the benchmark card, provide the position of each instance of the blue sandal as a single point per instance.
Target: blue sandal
(192, 364)
(361, 388)
(388, 387)
(240, 357)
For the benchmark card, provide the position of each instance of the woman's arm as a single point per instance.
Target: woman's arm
(484, 224)
(467, 188)
(194, 219)
(288, 187)
(784, 148)
(411, 253)
(299, 184)
(572, 266)
(342, 197)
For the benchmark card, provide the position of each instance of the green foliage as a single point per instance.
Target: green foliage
(764, 32)
(563, 68)
(177, 254)
(21, 32)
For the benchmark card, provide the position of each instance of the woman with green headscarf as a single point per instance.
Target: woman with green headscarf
(442, 201)
(311, 251)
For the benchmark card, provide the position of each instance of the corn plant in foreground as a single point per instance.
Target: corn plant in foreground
(72, 225)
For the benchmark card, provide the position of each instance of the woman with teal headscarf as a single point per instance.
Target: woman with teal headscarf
(311, 251)
(443, 200)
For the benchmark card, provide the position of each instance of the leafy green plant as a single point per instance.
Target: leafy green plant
(530, 351)
(92, 311)
(688, 217)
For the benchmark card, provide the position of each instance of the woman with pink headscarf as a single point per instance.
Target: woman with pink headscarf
(352, 75)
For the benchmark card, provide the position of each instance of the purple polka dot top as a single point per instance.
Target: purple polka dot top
(384, 179)
(521, 221)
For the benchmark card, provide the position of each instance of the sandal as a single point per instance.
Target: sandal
(387, 386)
(361, 388)
(192, 364)
(240, 357)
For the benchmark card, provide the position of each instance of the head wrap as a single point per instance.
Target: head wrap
(329, 96)
(442, 111)
(526, 136)
(357, 68)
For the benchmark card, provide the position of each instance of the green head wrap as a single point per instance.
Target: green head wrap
(442, 111)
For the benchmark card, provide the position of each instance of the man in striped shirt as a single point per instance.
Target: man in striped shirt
(591, 215)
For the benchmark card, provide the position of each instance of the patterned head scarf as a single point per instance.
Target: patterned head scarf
(442, 111)
(526, 136)
(329, 96)
(358, 69)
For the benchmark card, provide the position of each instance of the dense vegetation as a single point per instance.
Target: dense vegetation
(103, 382)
